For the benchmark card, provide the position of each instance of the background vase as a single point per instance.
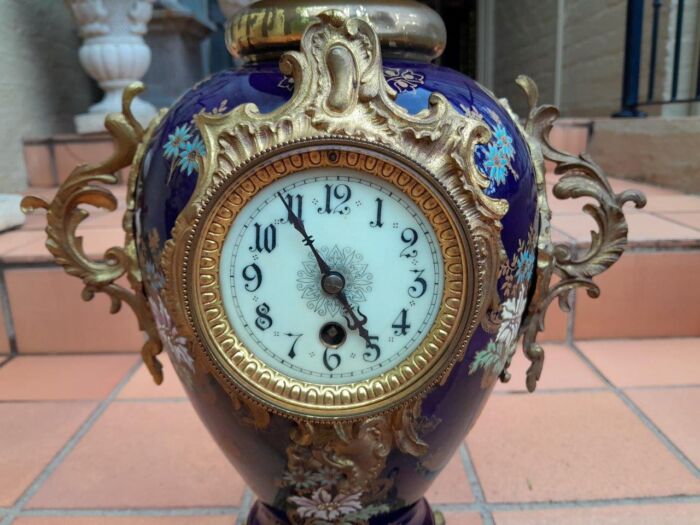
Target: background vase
(114, 53)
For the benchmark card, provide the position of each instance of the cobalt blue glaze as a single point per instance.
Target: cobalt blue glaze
(265, 86)
(168, 179)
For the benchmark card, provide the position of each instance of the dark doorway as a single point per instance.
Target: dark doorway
(460, 20)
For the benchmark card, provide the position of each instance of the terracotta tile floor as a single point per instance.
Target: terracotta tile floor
(610, 437)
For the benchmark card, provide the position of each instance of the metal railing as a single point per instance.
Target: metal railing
(633, 60)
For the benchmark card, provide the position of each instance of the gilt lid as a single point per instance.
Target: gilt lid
(268, 28)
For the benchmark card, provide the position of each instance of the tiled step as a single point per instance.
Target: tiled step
(650, 292)
(50, 160)
(571, 135)
(42, 308)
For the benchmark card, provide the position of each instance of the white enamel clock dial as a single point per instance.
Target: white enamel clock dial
(382, 265)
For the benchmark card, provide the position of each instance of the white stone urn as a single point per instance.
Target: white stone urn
(114, 53)
(231, 7)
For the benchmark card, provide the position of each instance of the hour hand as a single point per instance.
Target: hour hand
(358, 322)
(353, 320)
(308, 240)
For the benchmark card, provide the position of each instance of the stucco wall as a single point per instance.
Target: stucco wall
(654, 150)
(42, 84)
(688, 60)
(525, 43)
(592, 52)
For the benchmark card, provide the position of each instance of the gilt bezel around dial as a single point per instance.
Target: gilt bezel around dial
(242, 370)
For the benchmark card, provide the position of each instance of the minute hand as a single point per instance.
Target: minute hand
(308, 240)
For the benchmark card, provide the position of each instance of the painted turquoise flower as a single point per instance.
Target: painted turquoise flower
(525, 264)
(189, 154)
(176, 141)
(504, 141)
(496, 164)
(491, 359)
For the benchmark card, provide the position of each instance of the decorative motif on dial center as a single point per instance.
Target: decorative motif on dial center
(347, 262)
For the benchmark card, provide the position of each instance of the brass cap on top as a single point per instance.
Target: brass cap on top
(268, 28)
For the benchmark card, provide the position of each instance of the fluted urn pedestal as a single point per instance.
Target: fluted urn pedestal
(114, 53)
(339, 246)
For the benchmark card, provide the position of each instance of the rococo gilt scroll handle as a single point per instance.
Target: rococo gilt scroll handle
(64, 214)
(580, 177)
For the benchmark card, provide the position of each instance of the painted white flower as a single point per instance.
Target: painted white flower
(511, 315)
(403, 80)
(174, 344)
(322, 505)
(286, 83)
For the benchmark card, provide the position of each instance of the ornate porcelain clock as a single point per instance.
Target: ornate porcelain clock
(338, 252)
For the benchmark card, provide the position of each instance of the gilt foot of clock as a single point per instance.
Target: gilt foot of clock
(418, 514)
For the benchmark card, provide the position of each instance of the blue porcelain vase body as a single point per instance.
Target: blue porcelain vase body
(168, 175)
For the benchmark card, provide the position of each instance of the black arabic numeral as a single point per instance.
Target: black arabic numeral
(401, 326)
(327, 208)
(418, 291)
(252, 274)
(377, 223)
(292, 353)
(330, 360)
(265, 238)
(264, 321)
(340, 193)
(374, 351)
(410, 237)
